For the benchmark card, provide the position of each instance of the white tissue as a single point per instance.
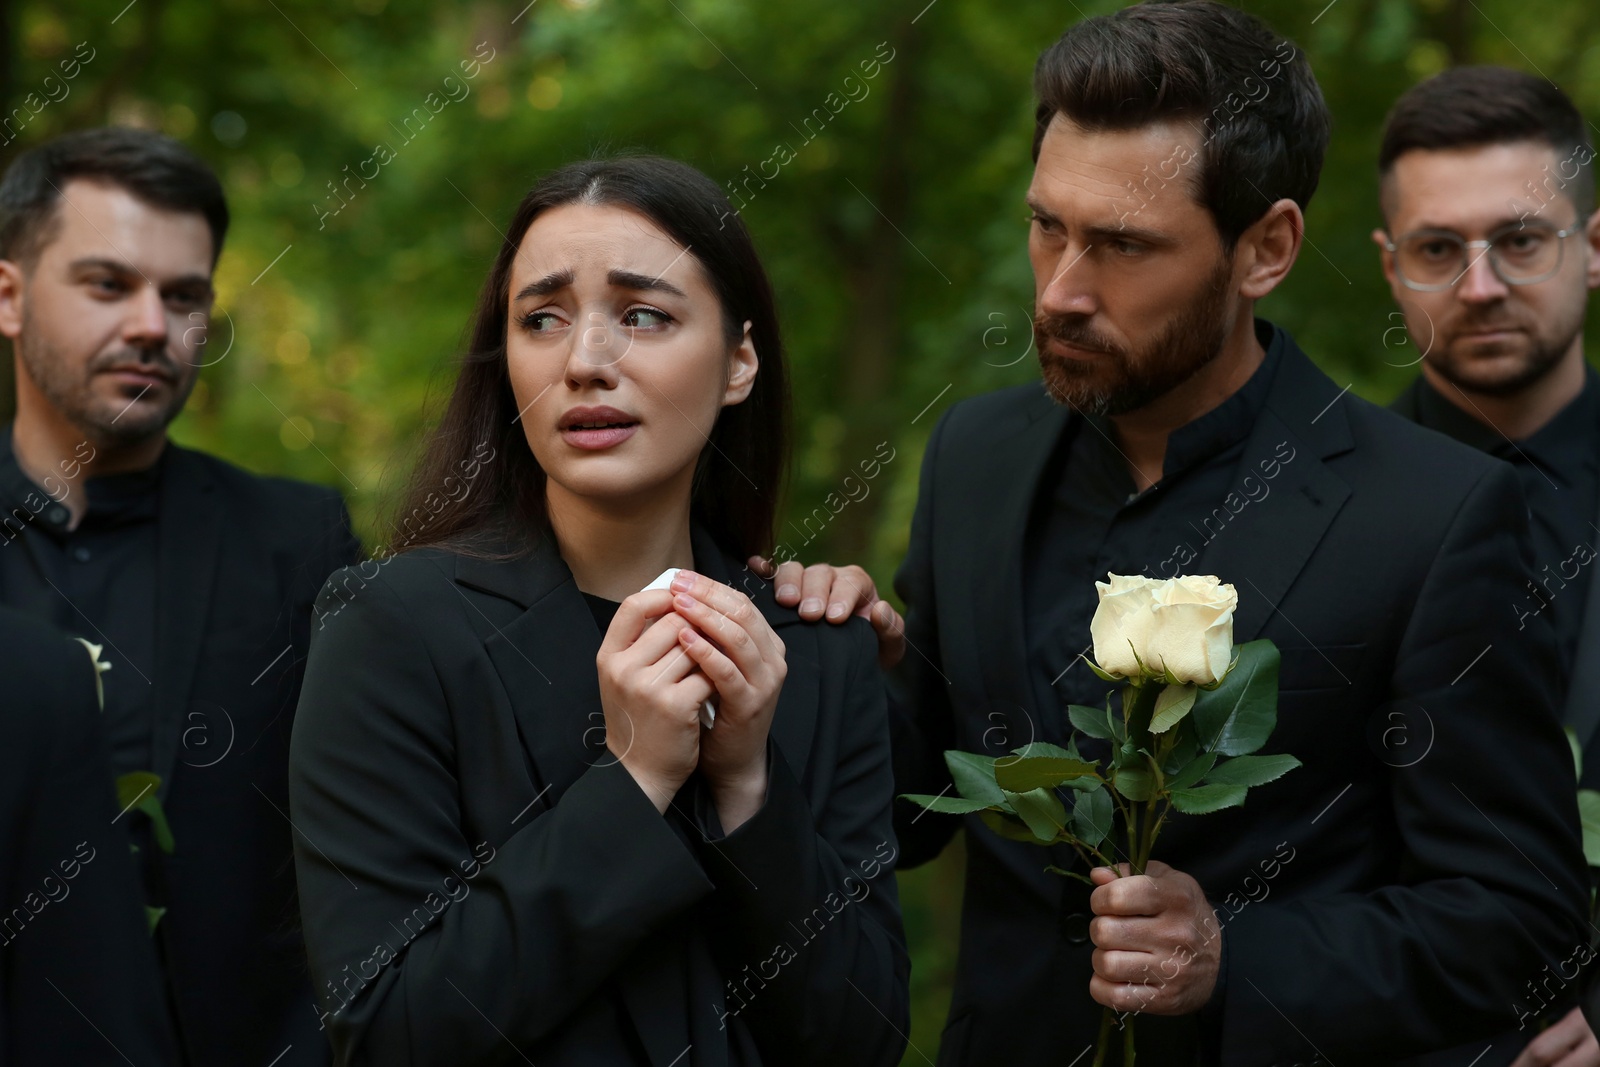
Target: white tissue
(708, 710)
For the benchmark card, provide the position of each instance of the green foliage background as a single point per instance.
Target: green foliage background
(895, 238)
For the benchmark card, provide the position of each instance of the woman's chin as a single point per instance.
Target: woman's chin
(622, 483)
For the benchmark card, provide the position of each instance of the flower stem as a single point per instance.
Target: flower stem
(1103, 1045)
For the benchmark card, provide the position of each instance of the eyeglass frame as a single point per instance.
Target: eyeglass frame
(1487, 244)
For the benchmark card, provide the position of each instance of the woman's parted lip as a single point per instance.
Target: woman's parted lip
(594, 417)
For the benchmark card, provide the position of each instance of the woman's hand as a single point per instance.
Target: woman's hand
(736, 649)
(651, 694)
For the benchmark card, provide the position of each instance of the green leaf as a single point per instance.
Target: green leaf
(1042, 810)
(1204, 799)
(1184, 749)
(1044, 748)
(1092, 721)
(158, 822)
(974, 776)
(1020, 774)
(1577, 753)
(1589, 812)
(1007, 826)
(1239, 715)
(1092, 815)
(1251, 770)
(1129, 755)
(1193, 771)
(153, 916)
(946, 804)
(1132, 782)
(134, 786)
(137, 790)
(1172, 704)
(1100, 674)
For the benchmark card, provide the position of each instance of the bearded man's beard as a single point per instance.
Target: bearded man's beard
(105, 422)
(1119, 380)
(1547, 343)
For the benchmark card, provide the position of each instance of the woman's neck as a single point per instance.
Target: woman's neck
(616, 549)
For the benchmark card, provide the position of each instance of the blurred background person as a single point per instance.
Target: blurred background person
(196, 577)
(1491, 244)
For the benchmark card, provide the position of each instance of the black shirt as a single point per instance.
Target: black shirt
(1088, 520)
(603, 611)
(1559, 467)
(97, 581)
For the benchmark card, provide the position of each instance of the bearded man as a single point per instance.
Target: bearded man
(1389, 899)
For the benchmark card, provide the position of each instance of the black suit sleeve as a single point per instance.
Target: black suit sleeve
(806, 919)
(921, 718)
(81, 983)
(426, 947)
(1493, 884)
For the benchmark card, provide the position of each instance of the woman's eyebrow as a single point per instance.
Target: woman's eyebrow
(550, 283)
(627, 279)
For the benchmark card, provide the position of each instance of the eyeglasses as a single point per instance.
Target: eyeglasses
(1520, 253)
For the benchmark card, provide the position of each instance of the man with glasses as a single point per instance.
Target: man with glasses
(1490, 246)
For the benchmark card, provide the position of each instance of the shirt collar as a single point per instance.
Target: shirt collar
(1232, 420)
(113, 498)
(1565, 443)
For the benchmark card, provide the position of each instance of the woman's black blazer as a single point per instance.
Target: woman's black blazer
(482, 882)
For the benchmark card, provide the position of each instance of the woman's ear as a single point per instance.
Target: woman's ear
(745, 365)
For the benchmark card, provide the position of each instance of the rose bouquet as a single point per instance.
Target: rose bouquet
(1192, 716)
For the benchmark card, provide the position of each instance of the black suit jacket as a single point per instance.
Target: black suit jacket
(240, 559)
(1580, 707)
(1395, 893)
(77, 969)
(482, 882)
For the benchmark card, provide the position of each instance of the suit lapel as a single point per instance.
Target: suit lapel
(1001, 643)
(189, 527)
(544, 657)
(1582, 710)
(1263, 549)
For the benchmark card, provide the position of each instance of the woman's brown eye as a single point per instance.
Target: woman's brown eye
(640, 318)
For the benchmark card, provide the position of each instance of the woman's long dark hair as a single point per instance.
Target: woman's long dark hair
(741, 471)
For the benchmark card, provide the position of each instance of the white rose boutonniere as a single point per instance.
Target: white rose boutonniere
(100, 667)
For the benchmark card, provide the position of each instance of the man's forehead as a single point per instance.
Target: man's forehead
(1477, 185)
(1112, 155)
(1101, 177)
(99, 219)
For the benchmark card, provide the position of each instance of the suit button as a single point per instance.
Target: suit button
(1076, 927)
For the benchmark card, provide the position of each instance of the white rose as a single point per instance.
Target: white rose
(1182, 624)
(1122, 623)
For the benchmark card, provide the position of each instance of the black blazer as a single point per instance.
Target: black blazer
(240, 561)
(1580, 707)
(1393, 895)
(482, 882)
(78, 978)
